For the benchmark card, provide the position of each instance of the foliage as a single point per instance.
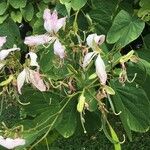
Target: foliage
(79, 86)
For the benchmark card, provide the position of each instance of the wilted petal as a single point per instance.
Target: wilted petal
(2, 41)
(59, 49)
(100, 70)
(33, 57)
(87, 58)
(5, 53)
(37, 40)
(20, 80)
(11, 143)
(94, 39)
(36, 80)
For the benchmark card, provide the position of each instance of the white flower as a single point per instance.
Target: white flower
(38, 40)
(33, 57)
(100, 69)
(51, 22)
(30, 76)
(11, 143)
(5, 53)
(2, 41)
(87, 58)
(59, 49)
(94, 39)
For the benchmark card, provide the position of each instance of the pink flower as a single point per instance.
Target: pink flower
(37, 40)
(100, 70)
(2, 41)
(51, 22)
(59, 49)
(11, 143)
(94, 39)
(30, 76)
(5, 53)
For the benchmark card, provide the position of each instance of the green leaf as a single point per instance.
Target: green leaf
(124, 29)
(18, 4)
(3, 18)
(3, 7)
(16, 16)
(68, 122)
(134, 105)
(28, 12)
(78, 4)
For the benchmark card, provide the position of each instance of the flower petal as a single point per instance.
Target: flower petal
(2, 41)
(11, 143)
(36, 80)
(33, 57)
(60, 23)
(20, 80)
(94, 39)
(37, 40)
(87, 58)
(100, 70)
(5, 53)
(59, 49)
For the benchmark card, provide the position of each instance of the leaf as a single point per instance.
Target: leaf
(18, 4)
(134, 105)
(10, 29)
(28, 12)
(124, 29)
(78, 4)
(3, 18)
(16, 16)
(68, 122)
(3, 7)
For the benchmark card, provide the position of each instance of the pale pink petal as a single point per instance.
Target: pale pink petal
(60, 23)
(100, 70)
(33, 57)
(90, 40)
(37, 40)
(2, 41)
(11, 143)
(5, 53)
(20, 80)
(87, 58)
(36, 80)
(99, 39)
(59, 49)
(94, 39)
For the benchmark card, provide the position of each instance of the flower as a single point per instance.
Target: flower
(5, 53)
(94, 39)
(2, 41)
(59, 49)
(37, 40)
(11, 143)
(30, 76)
(51, 22)
(100, 70)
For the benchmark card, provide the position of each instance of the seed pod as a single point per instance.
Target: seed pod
(81, 103)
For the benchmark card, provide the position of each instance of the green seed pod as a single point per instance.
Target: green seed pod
(81, 103)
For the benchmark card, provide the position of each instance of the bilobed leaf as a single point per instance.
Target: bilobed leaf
(78, 4)
(124, 29)
(16, 16)
(18, 4)
(68, 123)
(134, 105)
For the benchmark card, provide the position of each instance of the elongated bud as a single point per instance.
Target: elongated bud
(7, 81)
(126, 57)
(81, 102)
